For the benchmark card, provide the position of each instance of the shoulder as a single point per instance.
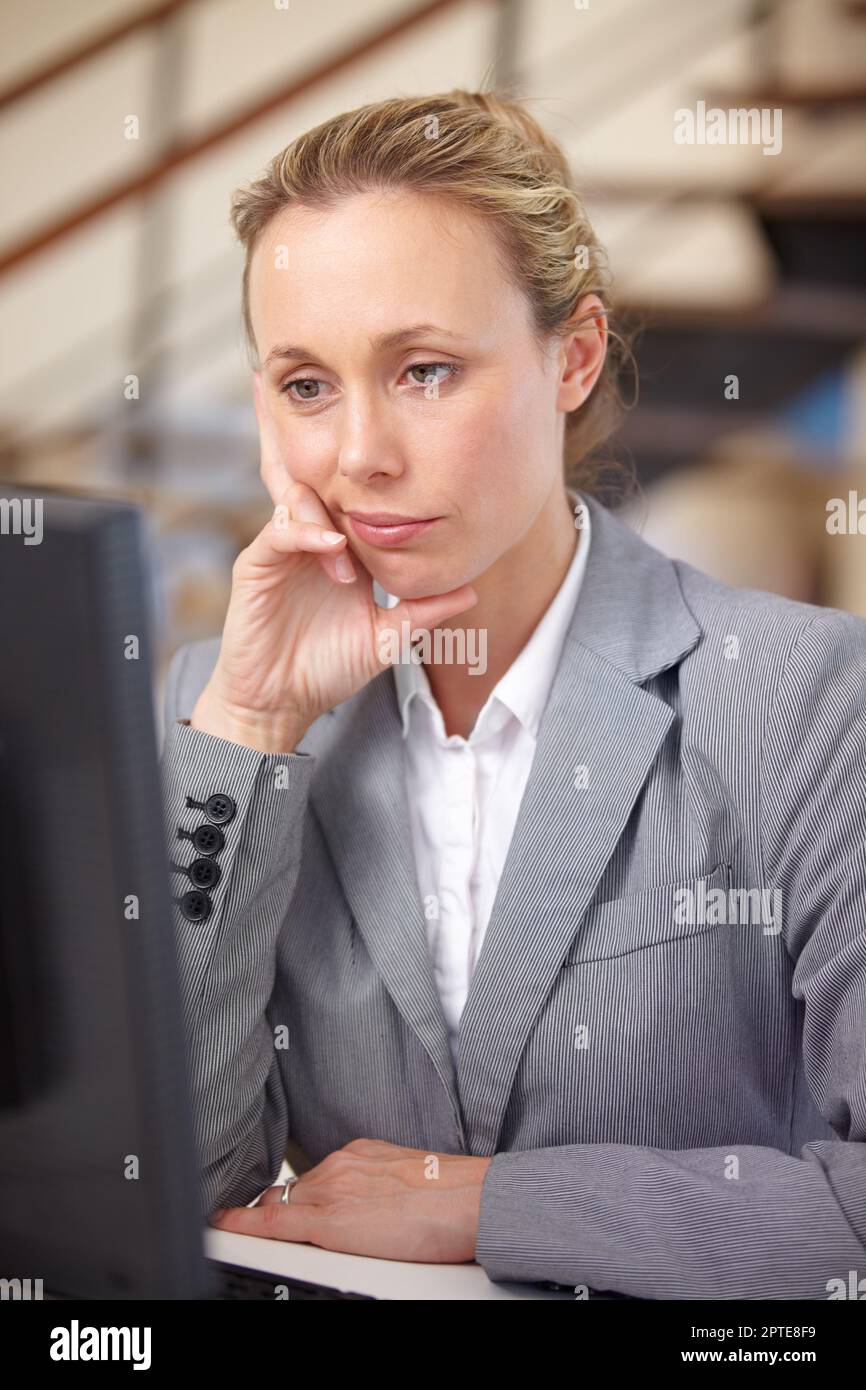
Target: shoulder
(768, 631)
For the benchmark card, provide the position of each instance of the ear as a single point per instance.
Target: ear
(582, 353)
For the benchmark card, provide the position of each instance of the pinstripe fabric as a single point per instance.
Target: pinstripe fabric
(677, 1108)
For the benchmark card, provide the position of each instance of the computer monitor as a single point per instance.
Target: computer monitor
(99, 1196)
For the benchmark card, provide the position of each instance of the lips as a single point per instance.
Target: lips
(387, 529)
(386, 518)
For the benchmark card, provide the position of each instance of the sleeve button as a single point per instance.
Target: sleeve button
(204, 873)
(219, 808)
(195, 905)
(207, 839)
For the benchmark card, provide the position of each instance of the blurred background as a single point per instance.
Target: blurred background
(125, 125)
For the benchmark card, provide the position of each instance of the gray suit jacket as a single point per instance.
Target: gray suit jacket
(676, 1100)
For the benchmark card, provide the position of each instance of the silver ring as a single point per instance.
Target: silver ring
(287, 1187)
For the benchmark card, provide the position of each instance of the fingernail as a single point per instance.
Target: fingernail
(332, 537)
(344, 567)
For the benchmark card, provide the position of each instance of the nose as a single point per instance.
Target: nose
(367, 449)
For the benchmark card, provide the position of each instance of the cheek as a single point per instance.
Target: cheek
(496, 447)
(306, 453)
(481, 435)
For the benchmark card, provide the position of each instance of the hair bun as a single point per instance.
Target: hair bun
(511, 113)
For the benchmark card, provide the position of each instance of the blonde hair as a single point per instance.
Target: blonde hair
(487, 154)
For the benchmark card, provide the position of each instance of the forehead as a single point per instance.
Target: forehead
(374, 261)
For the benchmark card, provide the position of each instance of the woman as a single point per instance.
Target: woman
(553, 959)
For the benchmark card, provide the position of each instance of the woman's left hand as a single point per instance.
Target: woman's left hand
(374, 1198)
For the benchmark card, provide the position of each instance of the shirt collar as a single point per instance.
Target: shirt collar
(523, 690)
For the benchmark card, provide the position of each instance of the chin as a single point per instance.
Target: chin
(414, 576)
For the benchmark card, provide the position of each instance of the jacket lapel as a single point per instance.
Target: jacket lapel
(359, 794)
(629, 623)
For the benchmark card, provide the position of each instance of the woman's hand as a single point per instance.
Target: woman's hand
(303, 631)
(374, 1198)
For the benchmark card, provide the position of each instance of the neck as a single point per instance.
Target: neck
(513, 596)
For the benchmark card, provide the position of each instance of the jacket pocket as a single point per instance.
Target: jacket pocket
(669, 913)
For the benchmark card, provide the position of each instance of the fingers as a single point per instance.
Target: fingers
(302, 1193)
(305, 504)
(272, 1222)
(300, 523)
(273, 1194)
(274, 472)
(284, 536)
(424, 612)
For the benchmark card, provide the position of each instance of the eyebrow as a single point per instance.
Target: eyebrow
(396, 338)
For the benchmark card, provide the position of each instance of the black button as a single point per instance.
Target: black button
(195, 905)
(207, 839)
(219, 808)
(204, 873)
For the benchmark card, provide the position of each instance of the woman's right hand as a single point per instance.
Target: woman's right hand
(303, 631)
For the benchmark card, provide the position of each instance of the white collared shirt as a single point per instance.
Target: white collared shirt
(464, 794)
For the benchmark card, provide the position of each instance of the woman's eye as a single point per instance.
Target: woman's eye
(307, 388)
(302, 381)
(428, 369)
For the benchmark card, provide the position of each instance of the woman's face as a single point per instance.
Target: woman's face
(458, 418)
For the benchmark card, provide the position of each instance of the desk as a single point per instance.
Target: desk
(396, 1279)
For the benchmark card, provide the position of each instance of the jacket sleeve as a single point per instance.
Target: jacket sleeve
(670, 1224)
(227, 960)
